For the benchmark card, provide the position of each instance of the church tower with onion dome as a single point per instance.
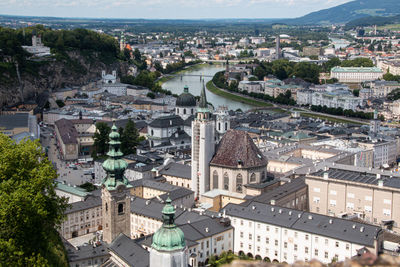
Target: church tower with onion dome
(115, 192)
(168, 248)
(203, 146)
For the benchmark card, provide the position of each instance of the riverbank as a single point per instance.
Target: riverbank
(331, 119)
(243, 99)
(174, 74)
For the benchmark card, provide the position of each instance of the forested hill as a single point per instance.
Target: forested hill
(350, 11)
(373, 20)
(78, 56)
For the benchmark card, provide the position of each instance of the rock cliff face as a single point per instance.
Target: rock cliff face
(53, 74)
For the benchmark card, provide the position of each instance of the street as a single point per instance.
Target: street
(65, 173)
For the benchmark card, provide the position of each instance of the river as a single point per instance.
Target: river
(176, 85)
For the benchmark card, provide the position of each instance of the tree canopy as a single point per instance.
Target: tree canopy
(100, 137)
(129, 138)
(30, 210)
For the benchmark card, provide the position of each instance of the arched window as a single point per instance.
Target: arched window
(226, 126)
(192, 111)
(239, 183)
(219, 126)
(226, 181)
(120, 208)
(215, 180)
(184, 111)
(152, 132)
(106, 207)
(253, 178)
(263, 178)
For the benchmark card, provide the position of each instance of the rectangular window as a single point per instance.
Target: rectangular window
(306, 237)
(387, 201)
(276, 242)
(316, 252)
(326, 255)
(350, 195)
(267, 240)
(316, 199)
(241, 234)
(285, 244)
(368, 198)
(386, 212)
(267, 228)
(306, 250)
(332, 202)
(316, 239)
(333, 192)
(258, 238)
(326, 242)
(347, 246)
(317, 189)
(368, 208)
(350, 205)
(295, 247)
(249, 246)
(337, 244)
(250, 236)
(276, 230)
(258, 249)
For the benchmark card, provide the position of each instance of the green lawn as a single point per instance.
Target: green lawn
(305, 114)
(212, 88)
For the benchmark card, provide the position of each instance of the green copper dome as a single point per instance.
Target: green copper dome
(115, 166)
(169, 237)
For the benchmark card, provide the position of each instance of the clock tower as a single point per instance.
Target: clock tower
(115, 192)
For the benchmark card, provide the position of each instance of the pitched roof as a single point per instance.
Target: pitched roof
(67, 131)
(11, 121)
(333, 227)
(177, 170)
(237, 147)
(129, 251)
(167, 121)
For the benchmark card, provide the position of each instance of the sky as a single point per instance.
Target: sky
(165, 9)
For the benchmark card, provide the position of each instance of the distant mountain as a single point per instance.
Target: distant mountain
(372, 20)
(350, 11)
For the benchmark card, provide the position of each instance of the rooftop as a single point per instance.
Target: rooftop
(177, 170)
(67, 131)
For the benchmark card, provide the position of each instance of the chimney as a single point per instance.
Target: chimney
(380, 183)
(326, 176)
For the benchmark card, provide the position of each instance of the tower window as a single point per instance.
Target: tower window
(184, 111)
(239, 183)
(120, 208)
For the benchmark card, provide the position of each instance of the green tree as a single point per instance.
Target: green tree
(129, 138)
(30, 210)
(100, 137)
(60, 103)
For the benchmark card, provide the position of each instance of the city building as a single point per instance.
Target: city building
(356, 74)
(19, 123)
(273, 233)
(370, 194)
(67, 139)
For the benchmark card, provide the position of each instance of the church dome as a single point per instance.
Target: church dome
(186, 99)
(169, 237)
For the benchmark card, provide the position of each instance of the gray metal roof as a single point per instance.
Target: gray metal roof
(129, 251)
(11, 121)
(333, 227)
(90, 202)
(177, 170)
(167, 121)
(360, 175)
(279, 192)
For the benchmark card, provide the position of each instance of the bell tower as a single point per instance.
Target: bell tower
(203, 146)
(115, 192)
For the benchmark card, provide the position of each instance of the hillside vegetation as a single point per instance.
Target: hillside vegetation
(78, 56)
